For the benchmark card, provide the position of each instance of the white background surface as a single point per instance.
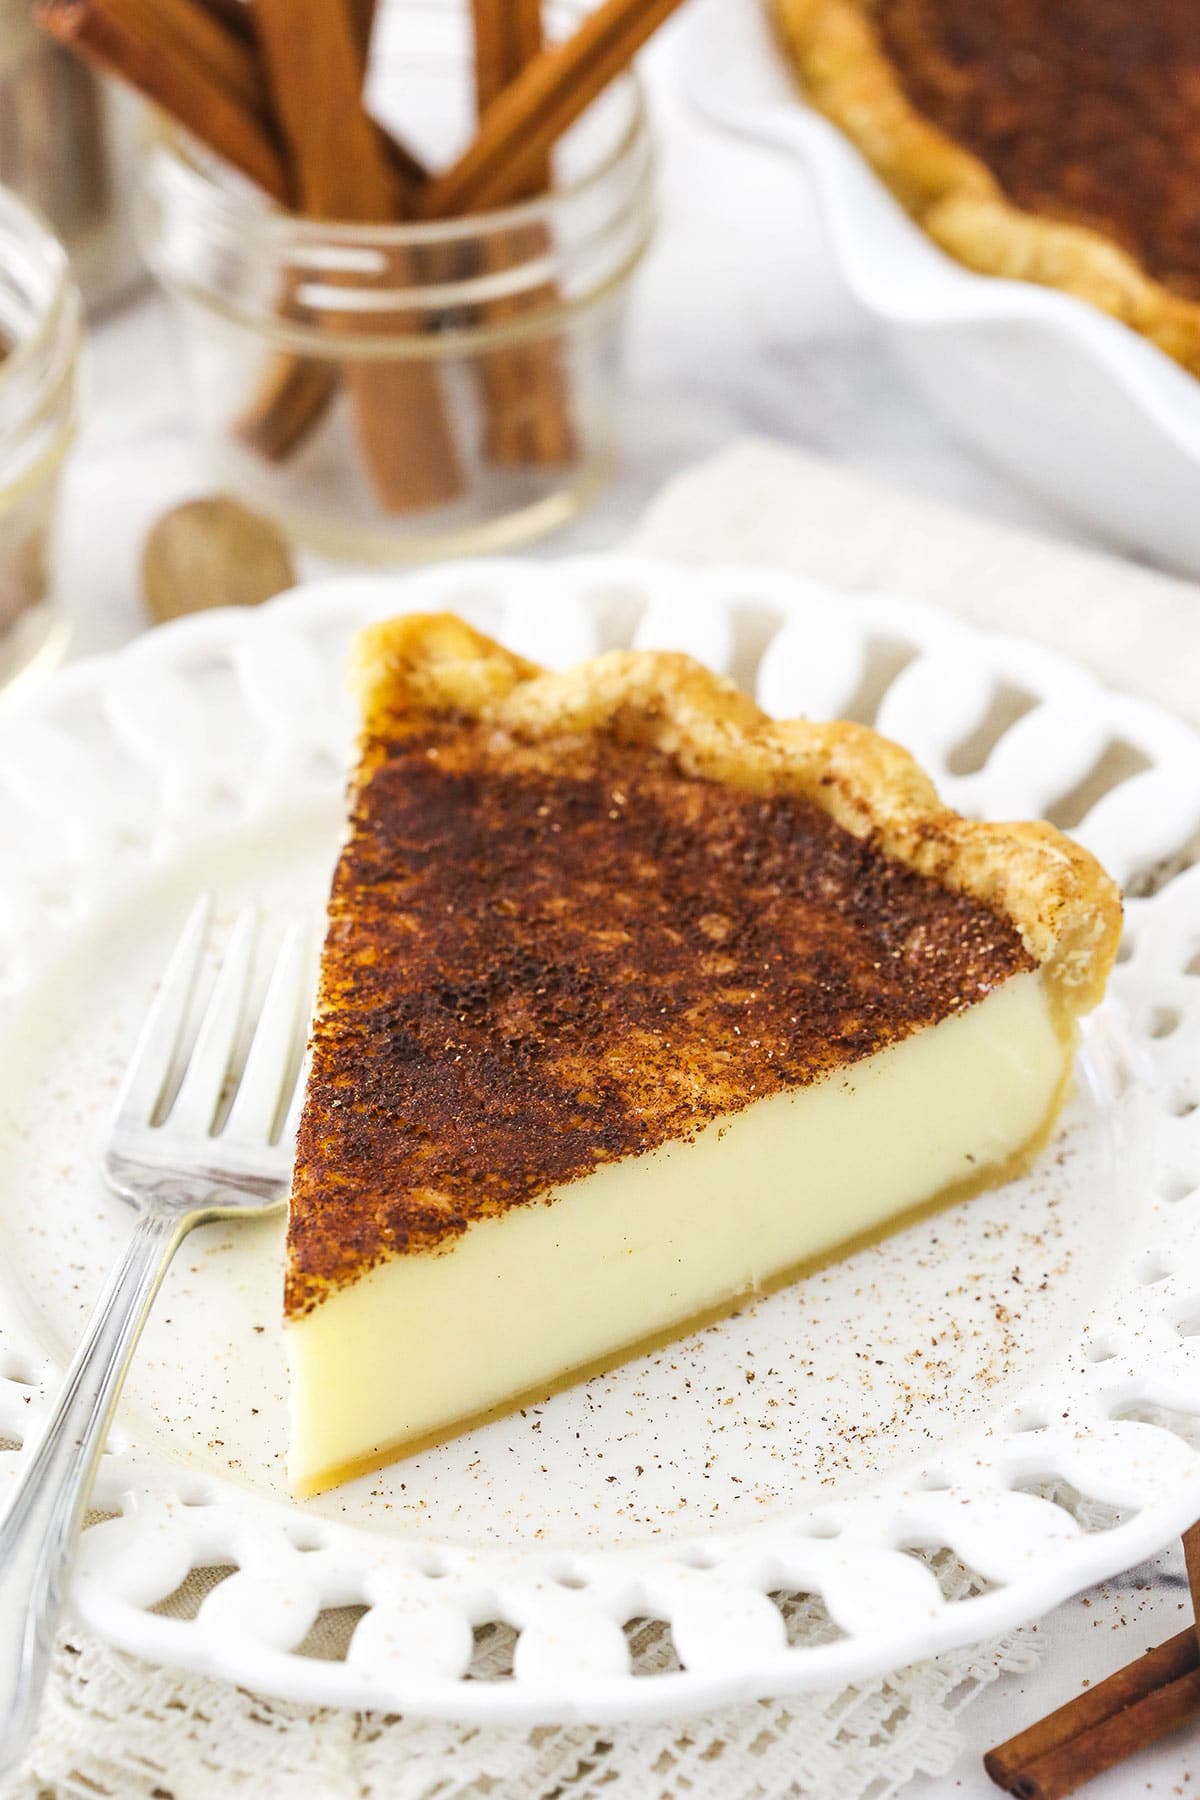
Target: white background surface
(737, 326)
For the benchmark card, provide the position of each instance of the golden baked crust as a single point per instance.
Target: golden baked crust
(581, 915)
(839, 51)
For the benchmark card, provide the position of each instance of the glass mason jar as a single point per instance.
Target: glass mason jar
(40, 333)
(68, 148)
(399, 392)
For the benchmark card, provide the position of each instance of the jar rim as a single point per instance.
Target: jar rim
(215, 240)
(238, 203)
(59, 307)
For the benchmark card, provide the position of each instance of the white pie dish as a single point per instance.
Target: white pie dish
(212, 753)
(1063, 397)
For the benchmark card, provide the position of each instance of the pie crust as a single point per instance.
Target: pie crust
(952, 194)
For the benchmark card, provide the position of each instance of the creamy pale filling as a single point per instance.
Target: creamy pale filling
(642, 1246)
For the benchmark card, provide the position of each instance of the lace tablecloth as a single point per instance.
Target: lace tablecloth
(114, 1726)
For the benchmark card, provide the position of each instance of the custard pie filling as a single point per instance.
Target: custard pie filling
(650, 1243)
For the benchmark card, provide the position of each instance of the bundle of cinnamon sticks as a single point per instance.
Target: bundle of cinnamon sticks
(275, 88)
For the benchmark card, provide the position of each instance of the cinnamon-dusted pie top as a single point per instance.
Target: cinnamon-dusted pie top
(579, 916)
(1084, 110)
(1054, 141)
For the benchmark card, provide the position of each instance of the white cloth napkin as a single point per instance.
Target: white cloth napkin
(764, 502)
(114, 1727)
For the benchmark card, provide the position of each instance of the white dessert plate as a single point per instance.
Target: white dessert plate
(930, 1441)
(1065, 398)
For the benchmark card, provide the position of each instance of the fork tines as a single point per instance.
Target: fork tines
(235, 1071)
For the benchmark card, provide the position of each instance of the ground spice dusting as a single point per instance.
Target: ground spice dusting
(543, 956)
(1086, 111)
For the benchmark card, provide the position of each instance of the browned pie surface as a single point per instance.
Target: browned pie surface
(1084, 110)
(547, 955)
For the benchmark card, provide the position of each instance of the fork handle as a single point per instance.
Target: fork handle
(41, 1522)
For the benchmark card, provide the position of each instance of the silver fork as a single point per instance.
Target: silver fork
(181, 1156)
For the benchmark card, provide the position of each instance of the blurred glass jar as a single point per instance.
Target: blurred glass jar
(399, 392)
(40, 334)
(68, 148)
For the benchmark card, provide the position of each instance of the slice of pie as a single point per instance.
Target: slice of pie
(635, 1002)
(1056, 141)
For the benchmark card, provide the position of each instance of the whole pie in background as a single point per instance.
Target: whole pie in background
(1054, 141)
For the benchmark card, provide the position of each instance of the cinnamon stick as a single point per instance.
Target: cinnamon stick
(313, 55)
(362, 17)
(198, 61)
(291, 397)
(296, 391)
(1106, 1724)
(1191, 1558)
(105, 34)
(508, 35)
(209, 96)
(408, 167)
(196, 35)
(235, 15)
(1064, 1738)
(313, 62)
(1067, 1766)
(309, 141)
(526, 403)
(528, 118)
(219, 36)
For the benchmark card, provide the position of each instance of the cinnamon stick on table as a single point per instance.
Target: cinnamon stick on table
(526, 400)
(1104, 1725)
(1191, 1559)
(314, 60)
